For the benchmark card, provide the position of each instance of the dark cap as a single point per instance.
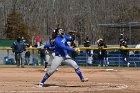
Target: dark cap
(56, 30)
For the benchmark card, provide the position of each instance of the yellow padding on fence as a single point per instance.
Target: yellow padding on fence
(81, 48)
(109, 48)
(8, 48)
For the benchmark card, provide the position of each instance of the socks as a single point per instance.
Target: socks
(45, 78)
(79, 73)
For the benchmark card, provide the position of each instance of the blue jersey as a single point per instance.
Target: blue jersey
(50, 47)
(61, 46)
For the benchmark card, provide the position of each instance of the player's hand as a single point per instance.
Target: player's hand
(77, 50)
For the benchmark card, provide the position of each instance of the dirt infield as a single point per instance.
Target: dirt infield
(101, 80)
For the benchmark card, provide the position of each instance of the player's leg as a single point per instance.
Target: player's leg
(22, 59)
(52, 57)
(56, 62)
(46, 62)
(28, 60)
(69, 61)
(17, 59)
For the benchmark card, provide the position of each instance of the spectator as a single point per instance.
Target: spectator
(25, 42)
(38, 40)
(72, 44)
(42, 54)
(122, 38)
(102, 54)
(88, 52)
(87, 42)
(27, 57)
(18, 48)
(124, 53)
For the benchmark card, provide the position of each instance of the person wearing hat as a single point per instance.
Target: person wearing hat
(18, 49)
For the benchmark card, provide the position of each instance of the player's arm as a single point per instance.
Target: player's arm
(47, 46)
(13, 47)
(62, 45)
(69, 38)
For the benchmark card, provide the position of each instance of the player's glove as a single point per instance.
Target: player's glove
(77, 50)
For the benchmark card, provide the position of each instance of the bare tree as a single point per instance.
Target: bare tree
(83, 16)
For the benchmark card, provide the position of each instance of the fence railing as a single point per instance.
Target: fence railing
(114, 55)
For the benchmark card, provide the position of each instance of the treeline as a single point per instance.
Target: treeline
(40, 17)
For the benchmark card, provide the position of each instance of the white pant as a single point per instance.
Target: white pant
(58, 60)
(49, 58)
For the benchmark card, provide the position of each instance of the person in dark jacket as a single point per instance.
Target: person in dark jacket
(102, 54)
(42, 54)
(18, 49)
(89, 53)
(72, 44)
(124, 53)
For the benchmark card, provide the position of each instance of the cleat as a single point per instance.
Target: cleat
(41, 84)
(57, 69)
(84, 80)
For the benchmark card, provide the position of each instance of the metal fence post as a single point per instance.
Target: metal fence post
(33, 57)
(8, 54)
(86, 57)
(119, 59)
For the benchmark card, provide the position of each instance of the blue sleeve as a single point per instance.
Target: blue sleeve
(46, 46)
(62, 45)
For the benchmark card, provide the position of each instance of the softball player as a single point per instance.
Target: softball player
(61, 54)
(49, 48)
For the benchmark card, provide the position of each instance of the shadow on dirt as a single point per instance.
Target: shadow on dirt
(58, 85)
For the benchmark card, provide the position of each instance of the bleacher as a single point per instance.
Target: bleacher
(114, 58)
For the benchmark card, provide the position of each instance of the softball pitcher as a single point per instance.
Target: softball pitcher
(61, 54)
